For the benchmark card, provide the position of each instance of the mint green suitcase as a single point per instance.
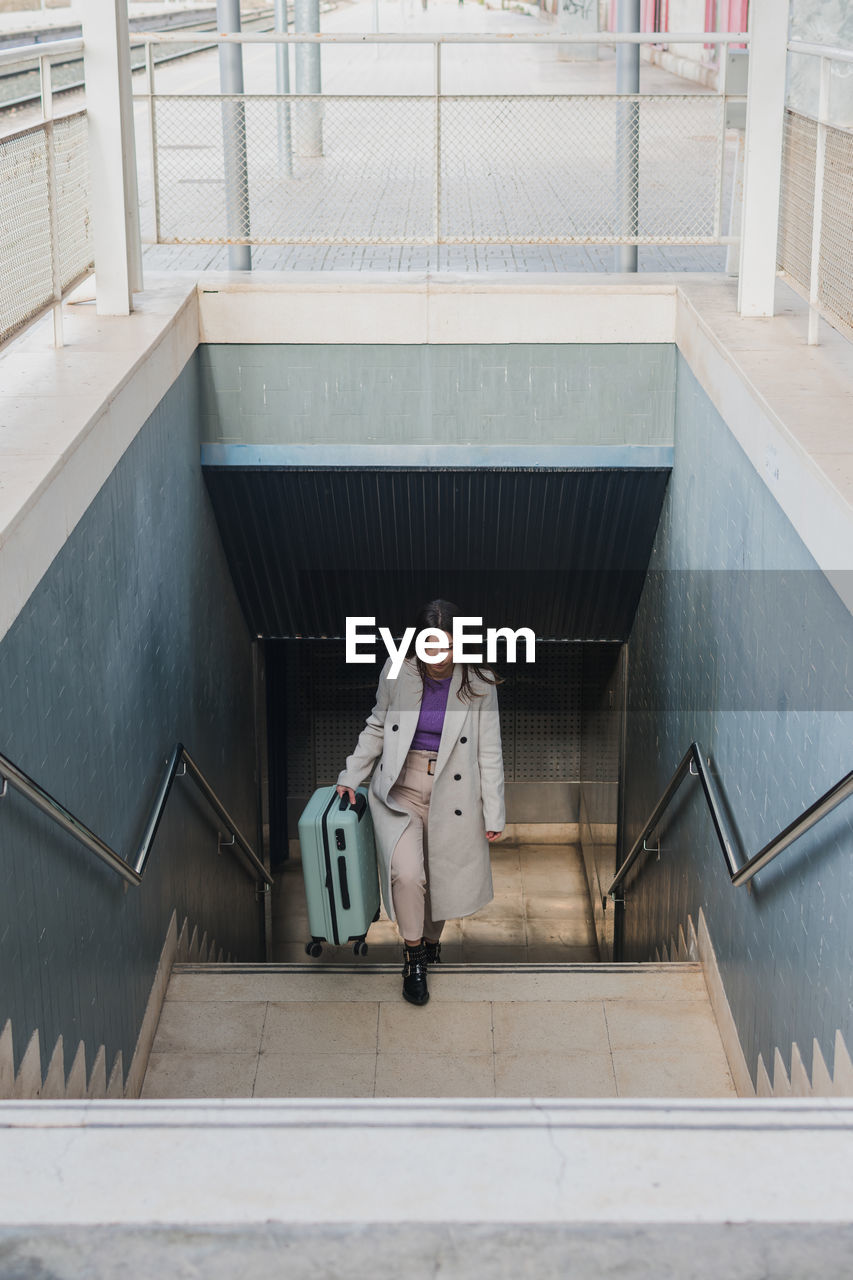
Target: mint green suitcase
(339, 869)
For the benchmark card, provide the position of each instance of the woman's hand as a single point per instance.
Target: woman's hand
(493, 835)
(346, 791)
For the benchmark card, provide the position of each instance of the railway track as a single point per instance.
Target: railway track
(20, 88)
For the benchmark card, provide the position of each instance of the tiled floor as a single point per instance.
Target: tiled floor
(541, 912)
(296, 1031)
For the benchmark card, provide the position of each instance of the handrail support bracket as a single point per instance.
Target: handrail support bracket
(698, 765)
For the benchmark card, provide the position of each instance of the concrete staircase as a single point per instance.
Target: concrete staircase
(489, 1030)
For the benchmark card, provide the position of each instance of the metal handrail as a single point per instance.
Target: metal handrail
(696, 763)
(133, 872)
(430, 37)
(27, 54)
(820, 51)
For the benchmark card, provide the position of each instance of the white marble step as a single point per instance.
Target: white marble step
(549, 1030)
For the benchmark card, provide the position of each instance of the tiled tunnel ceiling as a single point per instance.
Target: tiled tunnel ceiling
(562, 552)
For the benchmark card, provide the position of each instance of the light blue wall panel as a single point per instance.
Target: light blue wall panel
(582, 394)
(740, 641)
(133, 640)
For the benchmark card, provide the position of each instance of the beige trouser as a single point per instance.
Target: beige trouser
(410, 860)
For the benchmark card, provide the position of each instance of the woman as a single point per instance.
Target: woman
(437, 797)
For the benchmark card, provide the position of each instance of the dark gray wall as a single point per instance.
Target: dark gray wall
(740, 641)
(133, 640)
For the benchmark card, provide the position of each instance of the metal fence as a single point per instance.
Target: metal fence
(44, 213)
(437, 168)
(815, 247)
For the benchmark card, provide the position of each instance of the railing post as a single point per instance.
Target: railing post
(723, 58)
(736, 207)
(628, 136)
(152, 125)
(765, 124)
(50, 142)
(306, 20)
(282, 86)
(114, 200)
(438, 141)
(817, 205)
(234, 137)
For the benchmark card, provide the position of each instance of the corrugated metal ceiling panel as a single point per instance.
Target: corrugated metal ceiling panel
(563, 552)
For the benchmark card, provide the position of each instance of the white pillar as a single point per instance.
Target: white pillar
(309, 132)
(765, 123)
(626, 256)
(114, 200)
(231, 88)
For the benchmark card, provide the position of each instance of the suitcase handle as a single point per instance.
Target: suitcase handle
(344, 883)
(359, 806)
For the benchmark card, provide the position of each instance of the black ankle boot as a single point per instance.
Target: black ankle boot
(415, 975)
(433, 951)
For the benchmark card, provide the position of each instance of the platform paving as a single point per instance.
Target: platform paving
(467, 258)
(377, 163)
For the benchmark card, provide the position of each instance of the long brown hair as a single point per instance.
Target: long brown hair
(438, 615)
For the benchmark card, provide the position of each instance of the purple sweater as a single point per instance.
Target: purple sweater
(433, 704)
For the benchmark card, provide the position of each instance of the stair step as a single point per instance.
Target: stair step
(652, 966)
(558, 1030)
(448, 983)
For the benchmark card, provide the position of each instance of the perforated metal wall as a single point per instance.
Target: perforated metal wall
(541, 715)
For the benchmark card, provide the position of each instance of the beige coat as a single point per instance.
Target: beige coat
(467, 793)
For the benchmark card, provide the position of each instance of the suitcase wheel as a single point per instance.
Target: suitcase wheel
(314, 949)
(360, 948)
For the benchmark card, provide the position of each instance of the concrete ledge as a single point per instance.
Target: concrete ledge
(68, 415)
(412, 307)
(788, 406)
(497, 1161)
